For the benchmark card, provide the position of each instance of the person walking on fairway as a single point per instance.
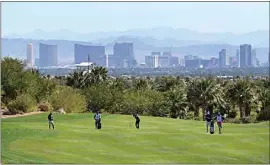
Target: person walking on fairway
(97, 118)
(50, 119)
(208, 119)
(219, 122)
(137, 123)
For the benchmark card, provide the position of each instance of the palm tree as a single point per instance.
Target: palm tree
(263, 92)
(177, 102)
(98, 74)
(240, 93)
(77, 79)
(205, 93)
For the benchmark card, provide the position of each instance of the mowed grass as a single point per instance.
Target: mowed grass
(28, 140)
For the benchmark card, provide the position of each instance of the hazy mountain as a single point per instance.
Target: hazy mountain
(142, 46)
(160, 35)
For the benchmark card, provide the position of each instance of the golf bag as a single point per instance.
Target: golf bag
(99, 125)
(212, 127)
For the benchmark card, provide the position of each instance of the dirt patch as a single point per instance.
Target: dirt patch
(18, 115)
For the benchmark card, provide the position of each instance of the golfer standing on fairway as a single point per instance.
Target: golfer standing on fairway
(208, 119)
(50, 119)
(97, 118)
(137, 124)
(219, 122)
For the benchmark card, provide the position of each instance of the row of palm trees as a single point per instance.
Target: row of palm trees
(241, 95)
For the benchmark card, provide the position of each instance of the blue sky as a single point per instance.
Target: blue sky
(83, 17)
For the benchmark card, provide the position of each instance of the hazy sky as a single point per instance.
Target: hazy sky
(83, 17)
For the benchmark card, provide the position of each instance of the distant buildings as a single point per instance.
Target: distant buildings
(155, 53)
(245, 56)
(161, 60)
(124, 53)
(96, 54)
(30, 55)
(205, 63)
(174, 61)
(253, 58)
(48, 55)
(238, 58)
(188, 57)
(36, 62)
(223, 59)
(233, 61)
(152, 61)
(193, 64)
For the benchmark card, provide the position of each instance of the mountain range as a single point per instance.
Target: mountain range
(179, 41)
(160, 36)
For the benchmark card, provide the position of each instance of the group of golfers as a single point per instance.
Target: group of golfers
(208, 118)
(97, 118)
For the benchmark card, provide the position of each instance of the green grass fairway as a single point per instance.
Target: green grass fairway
(28, 140)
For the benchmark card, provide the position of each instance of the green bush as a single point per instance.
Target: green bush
(23, 103)
(232, 120)
(264, 115)
(45, 106)
(190, 116)
(246, 120)
(71, 100)
(3, 106)
(232, 114)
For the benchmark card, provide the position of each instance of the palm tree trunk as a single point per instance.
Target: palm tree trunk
(241, 111)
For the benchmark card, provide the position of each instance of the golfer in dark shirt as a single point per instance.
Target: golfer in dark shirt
(208, 119)
(137, 124)
(50, 119)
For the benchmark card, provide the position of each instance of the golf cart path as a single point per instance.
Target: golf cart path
(19, 115)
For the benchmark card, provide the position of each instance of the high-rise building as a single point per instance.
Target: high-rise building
(30, 55)
(96, 54)
(155, 53)
(245, 56)
(237, 58)
(253, 58)
(36, 62)
(223, 59)
(193, 64)
(167, 53)
(205, 63)
(48, 55)
(152, 61)
(174, 61)
(123, 52)
(163, 61)
(182, 62)
(188, 57)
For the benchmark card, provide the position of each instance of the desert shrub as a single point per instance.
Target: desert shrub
(45, 106)
(23, 103)
(71, 100)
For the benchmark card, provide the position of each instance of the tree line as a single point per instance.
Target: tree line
(243, 100)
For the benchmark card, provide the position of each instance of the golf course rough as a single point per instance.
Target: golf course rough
(28, 140)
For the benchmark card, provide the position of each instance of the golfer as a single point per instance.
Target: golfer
(208, 119)
(50, 119)
(97, 118)
(219, 122)
(137, 123)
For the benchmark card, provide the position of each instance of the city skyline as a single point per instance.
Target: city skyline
(213, 17)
